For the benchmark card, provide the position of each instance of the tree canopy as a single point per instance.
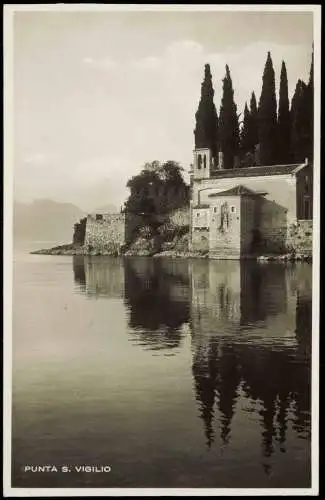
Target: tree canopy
(267, 116)
(283, 129)
(159, 188)
(206, 129)
(299, 122)
(228, 123)
(267, 135)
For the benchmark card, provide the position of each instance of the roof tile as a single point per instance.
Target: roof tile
(254, 171)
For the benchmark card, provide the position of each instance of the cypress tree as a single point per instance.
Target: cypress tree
(228, 123)
(267, 115)
(310, 109)
(299, 122)
(245, 142)
(253, 121)
(206, 130)
(283, 129)
(246, 146)
(249, 131)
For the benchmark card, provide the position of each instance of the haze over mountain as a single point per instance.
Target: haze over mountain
(108, 209)
(50, 221)
(45, 220)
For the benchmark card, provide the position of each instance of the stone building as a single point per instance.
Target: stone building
(249, 210)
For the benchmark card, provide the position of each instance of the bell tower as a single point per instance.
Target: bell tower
(203, 163)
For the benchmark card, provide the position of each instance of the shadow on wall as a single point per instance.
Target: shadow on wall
(271, 226)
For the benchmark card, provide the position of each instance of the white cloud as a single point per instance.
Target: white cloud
(100, 63)
(147, 63)
(181, 70)
(104, 123)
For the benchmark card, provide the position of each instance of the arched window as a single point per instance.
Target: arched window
(204, 161)
(199, 162)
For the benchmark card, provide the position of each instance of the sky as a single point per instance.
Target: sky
(98, 94)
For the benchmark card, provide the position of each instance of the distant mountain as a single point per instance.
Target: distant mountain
(45, 220)
(108, 209)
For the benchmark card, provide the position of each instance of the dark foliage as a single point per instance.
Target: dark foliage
(283, 129)
(267, 116)
(206, 129)
(228, 123)
(157, 189)
(80, 232)
(299, 122)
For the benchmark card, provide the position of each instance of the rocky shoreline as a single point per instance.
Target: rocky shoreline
(72, 249)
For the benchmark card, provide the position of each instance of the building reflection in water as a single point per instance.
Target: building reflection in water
(250, 327)
(251, 336)
(99, 276)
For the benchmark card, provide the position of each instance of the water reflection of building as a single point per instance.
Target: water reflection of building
(228, 294)
(79, 271)
(263, 292)
(99, 276)
(251, 334)
(250, 330)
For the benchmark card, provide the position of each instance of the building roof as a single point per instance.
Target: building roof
(237, 191)
(257, 171)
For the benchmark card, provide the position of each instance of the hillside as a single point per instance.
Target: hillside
(45, 220)
(107, 209)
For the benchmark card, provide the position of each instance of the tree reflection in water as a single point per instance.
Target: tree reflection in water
(157, 297)
(250, 327)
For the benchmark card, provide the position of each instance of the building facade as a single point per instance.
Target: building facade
(250, 210)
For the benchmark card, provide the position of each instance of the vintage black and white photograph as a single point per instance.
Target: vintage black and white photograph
(162, 182)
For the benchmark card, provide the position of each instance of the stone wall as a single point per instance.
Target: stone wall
(300, 236)
(248, 224)
(199, 240)
(305, 193)
(273, 225)
(105, 233)
(201, 217)
(108, 233)
(225, 225)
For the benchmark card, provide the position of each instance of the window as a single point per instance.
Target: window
(204, 161)
(201, 219)
(233, 209)
(215, 209)
(199, 162)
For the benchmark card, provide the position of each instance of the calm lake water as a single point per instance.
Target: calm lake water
(175, 373)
